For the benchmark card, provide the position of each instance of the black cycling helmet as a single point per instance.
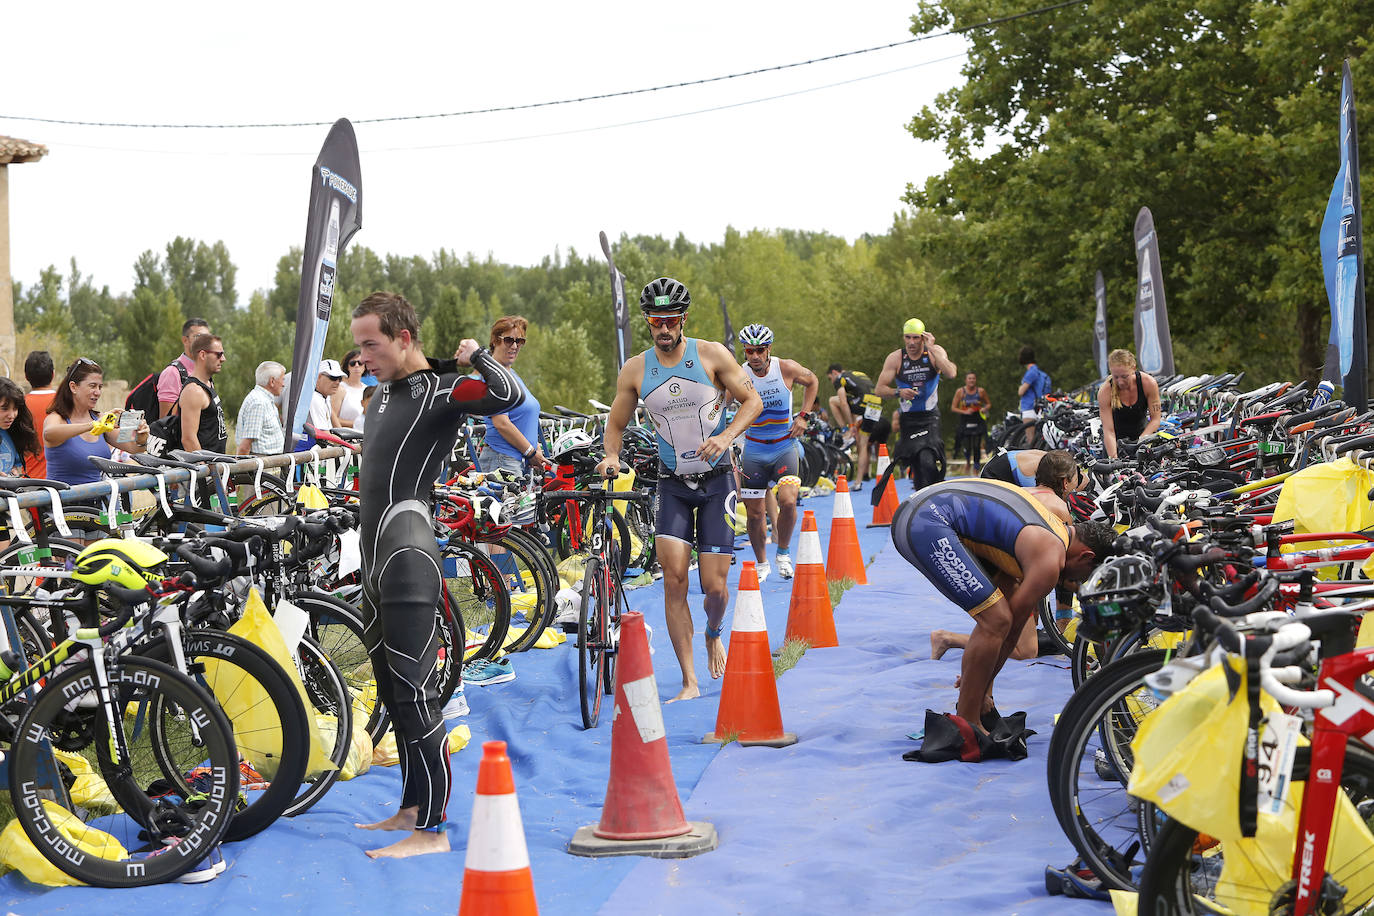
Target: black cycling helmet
(1120, 594)
(664, 296)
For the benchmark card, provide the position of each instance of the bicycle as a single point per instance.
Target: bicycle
(161, 743)
(599, 614)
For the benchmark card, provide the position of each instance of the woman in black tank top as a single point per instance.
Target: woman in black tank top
(1126, 421)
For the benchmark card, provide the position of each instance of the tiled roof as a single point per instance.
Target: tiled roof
(12, 149)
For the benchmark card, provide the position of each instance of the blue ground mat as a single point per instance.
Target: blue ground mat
(836, 823)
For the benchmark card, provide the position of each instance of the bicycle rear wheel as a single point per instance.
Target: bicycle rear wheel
(337, 627)
(180, 790)
(328, 696)
(591, 643)
(532, 576)
(475, 587)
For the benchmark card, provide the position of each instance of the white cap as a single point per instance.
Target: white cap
(331, 368)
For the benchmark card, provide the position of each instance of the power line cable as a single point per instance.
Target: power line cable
(568, 101)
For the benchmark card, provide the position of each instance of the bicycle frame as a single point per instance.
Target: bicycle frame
(1352, 715)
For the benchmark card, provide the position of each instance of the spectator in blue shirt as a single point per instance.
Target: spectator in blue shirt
(1035, 383)
(511, 439)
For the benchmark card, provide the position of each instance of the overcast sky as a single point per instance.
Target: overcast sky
(513, 184)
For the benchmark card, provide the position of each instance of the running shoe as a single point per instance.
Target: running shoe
(485, 673)
(207, 869)
(785, 566)
(763, 569)
(457, 706)
(856, 487)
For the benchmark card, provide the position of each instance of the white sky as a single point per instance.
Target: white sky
(837, 159)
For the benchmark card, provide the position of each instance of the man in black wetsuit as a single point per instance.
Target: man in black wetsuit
(412, 424)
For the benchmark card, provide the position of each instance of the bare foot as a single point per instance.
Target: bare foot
(401, 820)
(689, 692)
(419, 843)
(939, 644)
(715, 656)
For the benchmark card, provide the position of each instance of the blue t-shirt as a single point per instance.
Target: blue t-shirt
(10, 463)
(1039, 386)
(526, 419)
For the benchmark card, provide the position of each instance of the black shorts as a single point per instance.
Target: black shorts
(881, 431)
(917, 430)
(696, 515)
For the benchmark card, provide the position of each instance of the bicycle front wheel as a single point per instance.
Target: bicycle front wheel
(1182, 875)
(169, 800)
(591, 643)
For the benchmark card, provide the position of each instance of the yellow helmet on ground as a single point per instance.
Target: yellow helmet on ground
(123, 561)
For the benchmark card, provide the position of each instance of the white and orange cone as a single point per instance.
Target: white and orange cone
(887, 504)
(844, 559)
(810, 616)
(496, 878)
(749, 695)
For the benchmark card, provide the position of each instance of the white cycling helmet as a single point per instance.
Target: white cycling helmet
(572, 440)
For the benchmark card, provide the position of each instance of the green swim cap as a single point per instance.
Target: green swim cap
(914, 326)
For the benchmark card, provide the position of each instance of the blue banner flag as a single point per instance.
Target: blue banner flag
(1343, 261)
(1100, 326)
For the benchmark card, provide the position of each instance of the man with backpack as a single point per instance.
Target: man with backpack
(173, 378)
(1035, 384)
(912, 375)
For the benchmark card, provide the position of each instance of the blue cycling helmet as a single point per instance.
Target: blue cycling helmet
(756, 335)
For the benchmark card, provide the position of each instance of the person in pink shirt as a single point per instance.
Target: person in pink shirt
(173, 378)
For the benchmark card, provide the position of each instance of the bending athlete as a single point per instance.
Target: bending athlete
(684, 383)
(771, 452)
(950, 530)
(412, 424)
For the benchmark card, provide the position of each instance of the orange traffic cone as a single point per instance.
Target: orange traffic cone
(749, 696)
(809, 615)
(496, 878)
(642, 814)
(887, 505)
(844, 559)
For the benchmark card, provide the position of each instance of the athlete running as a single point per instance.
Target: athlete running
(412, 424)
(683, 382)
(912, 374)
(951, 530)
(771, 453)
(855, 407)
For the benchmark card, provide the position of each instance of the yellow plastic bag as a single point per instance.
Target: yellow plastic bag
(89, 790)
(1187, 753)
(570, 570)
(311, 498)
(360, 749)
(386, 755)
(17, 852)
(261, 630)
(1366, 636)
(550, 638)
(257, 727)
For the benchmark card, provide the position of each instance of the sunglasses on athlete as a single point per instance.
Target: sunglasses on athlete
(754, 351)
(513, 341)
(667, 322)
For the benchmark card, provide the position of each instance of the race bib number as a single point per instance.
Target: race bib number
(1277, 748)
(873, 407)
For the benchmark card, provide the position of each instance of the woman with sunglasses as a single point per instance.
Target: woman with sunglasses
(71, 430)
(347, 402)
(511, 439)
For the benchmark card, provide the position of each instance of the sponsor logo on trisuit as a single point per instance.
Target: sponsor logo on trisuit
(954, 568)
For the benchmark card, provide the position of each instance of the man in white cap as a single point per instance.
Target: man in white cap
(326, 383)
(912, 374)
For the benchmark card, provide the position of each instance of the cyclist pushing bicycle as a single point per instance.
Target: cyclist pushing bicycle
(684, 382)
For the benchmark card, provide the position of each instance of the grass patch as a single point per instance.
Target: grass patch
(788, 656)
(728, 737)
(837, 590)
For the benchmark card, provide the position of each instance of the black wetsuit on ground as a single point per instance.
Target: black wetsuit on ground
(412, 424)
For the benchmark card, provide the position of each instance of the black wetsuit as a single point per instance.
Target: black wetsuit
(412, 424)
